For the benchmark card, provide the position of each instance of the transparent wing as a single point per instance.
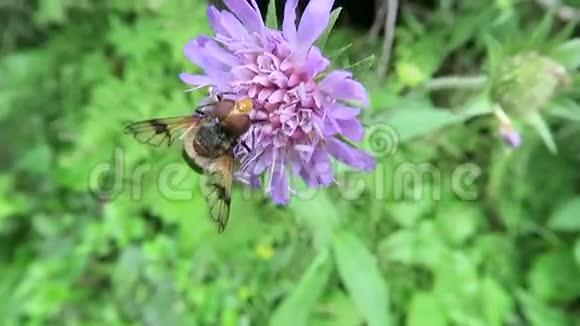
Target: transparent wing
(157, 131)
(219, 184)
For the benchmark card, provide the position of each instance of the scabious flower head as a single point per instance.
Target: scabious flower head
(299, 107)
(522, 85)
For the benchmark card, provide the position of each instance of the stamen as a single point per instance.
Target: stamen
(253, 158)
(195, 88)
(272, 171)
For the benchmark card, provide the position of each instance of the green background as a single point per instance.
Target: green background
(378, 249)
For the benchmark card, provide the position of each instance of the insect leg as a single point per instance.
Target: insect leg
(200, 109)
(220, 96)
(246, 147)
(254, 137)
(258, 120)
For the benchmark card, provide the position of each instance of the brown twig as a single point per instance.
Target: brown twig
(381, 8)
(390, 21)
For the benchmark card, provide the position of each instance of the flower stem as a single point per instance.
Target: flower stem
(456, 82)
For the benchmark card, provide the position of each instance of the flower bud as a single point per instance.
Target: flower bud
(524, 83)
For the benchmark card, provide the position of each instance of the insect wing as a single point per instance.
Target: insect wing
(219, 184)
(157, 131)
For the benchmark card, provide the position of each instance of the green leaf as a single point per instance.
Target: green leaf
(564, 108)
(560, 36)
(319, 214)
(419, 246)
(272, 17)
(567, 54)
(566, 217)
(458, 221)
(577, 251)
(361, 66)
(127, 270)
(456, 282)
(538, 312)
(495, 52)
(360, 274)
(402, 246)
(341, 308)
(539, 124)
(296, 309)
(340, 52)
(333, 17)
(10, 202)
(542, 31)
(554, 276)
(500, 304)
(410, 123)
(408, 213)
(51, 11)
(425, 309)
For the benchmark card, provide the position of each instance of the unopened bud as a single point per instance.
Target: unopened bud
(524, 83)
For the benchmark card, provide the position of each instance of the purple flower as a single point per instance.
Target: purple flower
(506, 128)
(511, 137)
(299, 111)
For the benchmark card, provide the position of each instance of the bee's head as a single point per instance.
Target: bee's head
(244, 105)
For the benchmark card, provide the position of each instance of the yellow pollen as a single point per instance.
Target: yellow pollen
(265, 251)
(244, 105)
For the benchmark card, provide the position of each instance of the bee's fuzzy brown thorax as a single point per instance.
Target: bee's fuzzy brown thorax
(233, 115)
(237, 124)
(223, 108)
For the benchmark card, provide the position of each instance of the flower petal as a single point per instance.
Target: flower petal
(334, 77)
(279, 79)
(224, 22)
(352, 129)
(243, 73)
(511, 137)
(349, 155)
(289, 23)
(319, 169)
(340, 111)
(331, 127)
(198, 80)
(313, 22)
(276, 96)
(315, 63)
(215, 21)
(264, 161)
(279, 186)
(339, 85)
(208, 55)
(349, 89)
(248, 15)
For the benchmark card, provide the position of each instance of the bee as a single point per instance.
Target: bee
(209, 138)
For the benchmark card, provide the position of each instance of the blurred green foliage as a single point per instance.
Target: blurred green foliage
(395, 252)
